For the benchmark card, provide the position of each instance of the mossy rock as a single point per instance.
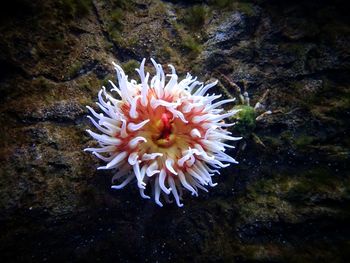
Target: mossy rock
(195, 16)
(130, 66)
(304, 141)
(192, 45)
(76, 8)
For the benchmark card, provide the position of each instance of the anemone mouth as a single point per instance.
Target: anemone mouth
(165, 142)
(166, 136)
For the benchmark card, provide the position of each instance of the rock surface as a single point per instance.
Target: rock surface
(287, 201)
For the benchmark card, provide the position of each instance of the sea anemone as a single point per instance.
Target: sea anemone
(168, 135)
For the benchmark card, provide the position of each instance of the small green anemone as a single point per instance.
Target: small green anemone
(245, 119)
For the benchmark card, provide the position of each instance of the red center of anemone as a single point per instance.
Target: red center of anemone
(165, 136)
(166, 131)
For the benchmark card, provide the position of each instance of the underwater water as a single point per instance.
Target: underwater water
(288, 199)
